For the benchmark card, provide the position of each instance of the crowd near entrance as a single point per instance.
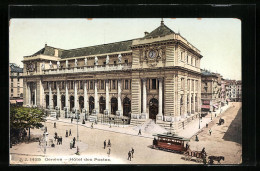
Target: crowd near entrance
(153, 108)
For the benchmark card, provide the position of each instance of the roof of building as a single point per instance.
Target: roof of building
(86, 51)
(15, 68)
(99, 49)
(162, 30)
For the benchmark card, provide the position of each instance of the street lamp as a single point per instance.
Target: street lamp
(199, 120)
(77, 112)
(211, 115)
(171, 127)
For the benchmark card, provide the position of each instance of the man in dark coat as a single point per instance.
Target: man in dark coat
(105, 144)
(74, 139)
(70, 133)
(139, 133)
(129, 156)
(132, 152)
(66, 133)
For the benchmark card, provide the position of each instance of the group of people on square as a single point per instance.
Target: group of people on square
(107, 144)
(131, 154)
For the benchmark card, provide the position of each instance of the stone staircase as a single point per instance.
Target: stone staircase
(166, 125)
(136, 122)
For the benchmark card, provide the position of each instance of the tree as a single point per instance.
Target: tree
(25, 118)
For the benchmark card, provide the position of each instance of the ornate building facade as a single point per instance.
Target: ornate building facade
(154, 77)
(16, 84)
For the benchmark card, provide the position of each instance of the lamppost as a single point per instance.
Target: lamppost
(77, 112)
(211, 115)
(171, 127)
(199, 120)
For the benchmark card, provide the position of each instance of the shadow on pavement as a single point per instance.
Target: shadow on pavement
(234, 132)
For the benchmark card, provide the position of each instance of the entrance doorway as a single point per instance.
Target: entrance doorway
(62, 102)
(113, 105)
(47, 101)
(81, 103)
(102, 104)
(153, 108)
(126, 107)
(54, 101)
(91, 104)
(71, 102)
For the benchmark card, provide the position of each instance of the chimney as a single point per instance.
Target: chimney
(145, 33)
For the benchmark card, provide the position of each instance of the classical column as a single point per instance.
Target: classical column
(35, 94)
(194, 103)
(190, 98)
(107, 96)
(85, 96)
(29, 94)
(96, 97)
(185, 101)
(160, 115)
(50, 97)
(75, 95)
(66, 95)
(58, 96)
(144, 113)
(119, 98)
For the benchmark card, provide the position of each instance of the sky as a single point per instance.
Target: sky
(219, 40)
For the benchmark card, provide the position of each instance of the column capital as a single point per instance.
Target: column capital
(160, 78)
(144, 79)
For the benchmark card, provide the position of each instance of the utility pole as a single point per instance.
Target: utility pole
(77, 125)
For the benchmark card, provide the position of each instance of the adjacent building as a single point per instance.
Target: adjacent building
(234, 90)
(211, 91)
(154, 77)
(16, 84)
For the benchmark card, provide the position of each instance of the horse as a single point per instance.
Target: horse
(215, 158)
(221, 121)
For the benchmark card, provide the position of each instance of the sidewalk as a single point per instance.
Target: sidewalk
(193, 127)
(189, 131)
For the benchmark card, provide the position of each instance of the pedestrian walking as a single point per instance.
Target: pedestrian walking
(71, 144)
(207, 125)
(92, 125)
(210, 132)
(54, 124)
(70, 133)
(129, 156)
(139, 133)
(108, 153)
(196, 139)
(74, 139)
(66, 133)
(105, 144)
(109, 143)
(61, 140)
(71, 119)
(57, 140)
(132, 152)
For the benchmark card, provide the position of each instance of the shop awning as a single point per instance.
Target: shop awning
(205, 106)
(12, 101)
(19, 101)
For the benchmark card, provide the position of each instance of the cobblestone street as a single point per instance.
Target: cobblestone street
(224, 141)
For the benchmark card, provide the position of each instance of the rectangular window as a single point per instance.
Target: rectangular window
(12, 79)
(153, 83)
(18, 79)
(102, 84)
(114, 62)
(71, 85)
(114, 84)
(81, 84)
(11, 95)
(12, 90)
(12, 84)
(91, 85)
(126, 61)
(126, 84)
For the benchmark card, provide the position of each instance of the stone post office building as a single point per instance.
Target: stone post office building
(154, 77)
